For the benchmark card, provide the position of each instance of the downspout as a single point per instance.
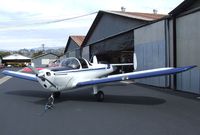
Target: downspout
(174, 51)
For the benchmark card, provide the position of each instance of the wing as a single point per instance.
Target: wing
(26, 76)
(135, 75)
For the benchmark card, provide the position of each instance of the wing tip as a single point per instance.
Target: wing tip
(19, 75)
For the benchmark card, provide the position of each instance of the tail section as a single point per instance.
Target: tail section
(94, 60)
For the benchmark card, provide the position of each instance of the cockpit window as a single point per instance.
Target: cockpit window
(83, 63)
(70, 62)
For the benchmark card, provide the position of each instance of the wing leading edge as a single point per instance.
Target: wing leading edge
(30, 77)
(136, 75)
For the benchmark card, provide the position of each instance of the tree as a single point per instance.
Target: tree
(4, 53)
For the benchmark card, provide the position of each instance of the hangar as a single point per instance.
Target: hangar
(158, 40)
(43, 60)
(111, 37)
(172, 41)
(16, 60)
(184, 44)
(73, 45)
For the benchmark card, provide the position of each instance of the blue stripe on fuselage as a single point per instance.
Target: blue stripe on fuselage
(78, 70)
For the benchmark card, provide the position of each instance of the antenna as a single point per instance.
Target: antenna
(43, 47)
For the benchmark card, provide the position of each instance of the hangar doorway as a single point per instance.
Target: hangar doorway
(116, 58)
(115, 49)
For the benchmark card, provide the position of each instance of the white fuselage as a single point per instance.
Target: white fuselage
(66, 80)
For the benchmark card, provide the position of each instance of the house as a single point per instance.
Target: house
(43, 60)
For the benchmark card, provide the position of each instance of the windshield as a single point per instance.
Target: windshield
(70, 62)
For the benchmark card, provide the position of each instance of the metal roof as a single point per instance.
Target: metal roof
(148, 17)
(138, 15)
(16, 57)
(182, 7)
(77, 39)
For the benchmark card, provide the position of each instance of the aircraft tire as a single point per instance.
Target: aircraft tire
(100, 96)
(56, 94)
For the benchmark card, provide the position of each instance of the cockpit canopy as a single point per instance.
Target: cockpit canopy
(74, 63)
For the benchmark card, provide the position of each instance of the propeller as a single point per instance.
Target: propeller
(42, 77)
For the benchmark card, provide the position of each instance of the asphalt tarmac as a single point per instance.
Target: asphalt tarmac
(128, 109)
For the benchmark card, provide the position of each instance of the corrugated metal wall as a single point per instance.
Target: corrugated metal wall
(71, 54)
(110, 25)
(188, 51)
(85, 53)
(151, 51)
(73, 49)
(116, 43)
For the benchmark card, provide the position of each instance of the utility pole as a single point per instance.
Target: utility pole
(43, 47)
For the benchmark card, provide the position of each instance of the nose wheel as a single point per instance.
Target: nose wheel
(100, 96)
(50, 103)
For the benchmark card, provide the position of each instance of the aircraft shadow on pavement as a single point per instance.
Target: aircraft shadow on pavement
(29, 93)
(86, 96)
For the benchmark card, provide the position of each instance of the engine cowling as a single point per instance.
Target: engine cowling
(46, 79)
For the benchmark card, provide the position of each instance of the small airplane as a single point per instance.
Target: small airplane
(78, 73)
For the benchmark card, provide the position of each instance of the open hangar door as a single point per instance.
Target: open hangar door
(187, 52)
(116, 58)
(151, 49)
(117, 49)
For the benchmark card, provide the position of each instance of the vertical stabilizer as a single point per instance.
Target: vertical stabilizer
(95, 61)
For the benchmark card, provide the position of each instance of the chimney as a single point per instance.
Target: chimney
(155, 11)
(123, 9)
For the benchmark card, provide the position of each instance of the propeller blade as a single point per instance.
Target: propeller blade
(42, 77)
(33, 69)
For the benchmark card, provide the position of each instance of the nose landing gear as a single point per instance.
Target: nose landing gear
(50, 103)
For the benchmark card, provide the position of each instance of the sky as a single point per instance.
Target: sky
(31, 23)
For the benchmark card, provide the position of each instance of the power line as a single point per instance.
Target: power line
(52, 21)
(65, 19)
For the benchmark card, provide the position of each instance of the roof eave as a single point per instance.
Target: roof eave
(182, 6)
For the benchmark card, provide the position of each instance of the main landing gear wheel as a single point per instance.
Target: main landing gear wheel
(100, 96)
